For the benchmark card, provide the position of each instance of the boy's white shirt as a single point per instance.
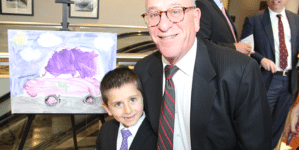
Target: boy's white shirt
(133, 129)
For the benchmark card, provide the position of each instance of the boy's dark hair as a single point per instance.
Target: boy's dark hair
(116, 78)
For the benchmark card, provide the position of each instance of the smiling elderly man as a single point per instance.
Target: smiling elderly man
(210, 97)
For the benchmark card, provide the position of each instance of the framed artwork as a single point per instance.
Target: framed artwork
(87, 9)
(16, 7)
(59, 72)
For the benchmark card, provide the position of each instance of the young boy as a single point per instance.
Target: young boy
(122, 98)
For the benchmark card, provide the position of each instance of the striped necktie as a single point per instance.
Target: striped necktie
(166, 121)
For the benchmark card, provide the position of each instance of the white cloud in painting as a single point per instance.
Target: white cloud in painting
(49, 40)
(29, 54)
(103, 43)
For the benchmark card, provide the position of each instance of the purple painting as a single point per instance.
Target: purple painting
(59, 71)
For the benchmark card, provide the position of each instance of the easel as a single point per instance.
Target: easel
(64, 24)
(31, 118)
(66, 3)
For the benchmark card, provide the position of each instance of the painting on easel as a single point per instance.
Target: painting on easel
(58, 72)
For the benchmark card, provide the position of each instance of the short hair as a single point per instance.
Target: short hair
(117, 78)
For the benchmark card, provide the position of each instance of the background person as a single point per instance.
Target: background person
(275, 32)
(216, 26)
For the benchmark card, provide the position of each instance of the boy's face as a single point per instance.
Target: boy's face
(125, 104)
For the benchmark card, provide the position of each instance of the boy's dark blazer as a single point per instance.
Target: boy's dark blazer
(145, 138)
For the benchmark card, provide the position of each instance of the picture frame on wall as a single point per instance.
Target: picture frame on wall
(86, 9)
(16, 7)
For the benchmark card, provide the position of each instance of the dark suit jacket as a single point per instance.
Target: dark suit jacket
(145, 138)
(260, 26)
(229, 107)
(213, 24)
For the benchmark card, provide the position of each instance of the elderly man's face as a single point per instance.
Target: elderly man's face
(174, 40)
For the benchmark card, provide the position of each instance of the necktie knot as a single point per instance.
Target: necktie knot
(125, 133)
(278, 16)
(170, 70)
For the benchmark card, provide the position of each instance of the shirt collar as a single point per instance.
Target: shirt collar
(186, 64)
(273, 13)
(219, 4)
(133, 129)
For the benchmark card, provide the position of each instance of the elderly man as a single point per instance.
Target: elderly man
(209, 97)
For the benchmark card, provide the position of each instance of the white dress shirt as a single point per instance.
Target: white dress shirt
(183, 87)
(133, 129)
(287, 35)
(219, 4)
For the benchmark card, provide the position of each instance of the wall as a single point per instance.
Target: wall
(242, 9)
(292, 5)
(114, 12)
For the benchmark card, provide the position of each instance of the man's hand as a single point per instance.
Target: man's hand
(244, 48)
(291, 122)
(269, 65)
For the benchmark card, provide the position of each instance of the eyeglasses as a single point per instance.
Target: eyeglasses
(175, 15)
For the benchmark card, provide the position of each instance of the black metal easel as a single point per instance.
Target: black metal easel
(26, 131)
(66, 4)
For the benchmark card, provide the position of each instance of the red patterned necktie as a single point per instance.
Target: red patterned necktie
(166, 121)
(283, 52)
(229, 23)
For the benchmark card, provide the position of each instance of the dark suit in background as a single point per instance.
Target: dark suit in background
(213, 24)
(260, 26)
(145, 139)
(229, 108)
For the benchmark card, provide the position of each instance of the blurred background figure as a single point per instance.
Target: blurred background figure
(217, 27)
(275, 32)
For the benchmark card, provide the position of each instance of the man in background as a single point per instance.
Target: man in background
(275, 32)
(216, 26)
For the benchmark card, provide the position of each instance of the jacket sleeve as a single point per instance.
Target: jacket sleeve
(248, 29)
(252, 115)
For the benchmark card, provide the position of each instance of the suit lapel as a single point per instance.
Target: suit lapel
(203, 95)
(142, 135)
(268, 27)
(113, 134)
(217, 9)
(294, 30)
(155, 93)
(223, 17)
